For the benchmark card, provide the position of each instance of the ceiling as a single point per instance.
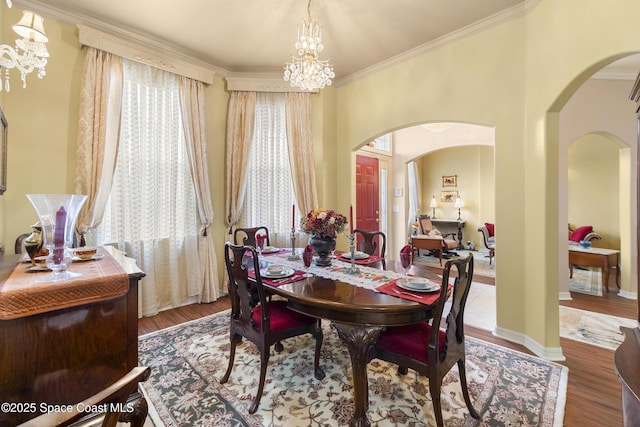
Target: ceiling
(258, 36)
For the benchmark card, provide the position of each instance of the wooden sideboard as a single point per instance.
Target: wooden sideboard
(61, 356)
(626, 362)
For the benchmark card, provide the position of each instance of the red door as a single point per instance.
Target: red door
(367, 194)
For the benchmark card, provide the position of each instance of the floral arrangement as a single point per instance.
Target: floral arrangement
(323, 223)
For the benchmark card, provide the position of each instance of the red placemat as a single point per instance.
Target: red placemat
(370, 260)
(297, 276)
(391, 288)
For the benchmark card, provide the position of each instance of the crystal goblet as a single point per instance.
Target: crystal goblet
(405, 261)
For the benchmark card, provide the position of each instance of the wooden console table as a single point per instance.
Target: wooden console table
(451, 223)
(596, 257)
(62, 342)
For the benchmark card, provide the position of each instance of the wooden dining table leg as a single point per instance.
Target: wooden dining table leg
(359, 339)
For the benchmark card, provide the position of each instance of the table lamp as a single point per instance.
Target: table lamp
(433, 205)
(459, 204)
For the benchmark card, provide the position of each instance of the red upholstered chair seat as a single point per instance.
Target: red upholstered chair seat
(411, 340)
(281, 318)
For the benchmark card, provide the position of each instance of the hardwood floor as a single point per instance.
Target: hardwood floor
(593, 393)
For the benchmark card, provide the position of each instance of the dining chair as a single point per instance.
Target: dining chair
(266, 323)
(113, 398)
(247, 236)
(372, 243)
(426, 348)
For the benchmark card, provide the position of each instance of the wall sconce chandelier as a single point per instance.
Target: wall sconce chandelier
(29, 53)
(306, 71)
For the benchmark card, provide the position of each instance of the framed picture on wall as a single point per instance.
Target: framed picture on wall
(450, 180)
(3, 154)
(448, 196)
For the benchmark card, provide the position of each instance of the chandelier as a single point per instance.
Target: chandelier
(29, 53)
(306, 71)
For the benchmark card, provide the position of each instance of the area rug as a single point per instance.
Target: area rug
(587, 280)
(511, 388)
(597, 329)
(481, 264)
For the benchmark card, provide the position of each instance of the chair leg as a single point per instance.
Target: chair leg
(434, 389)
(235, 339)
(462, 370)
(317, 370)
(264, 362)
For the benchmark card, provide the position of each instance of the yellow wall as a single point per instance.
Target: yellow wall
(473, 166)
(42, 126)
(594, 196)
(509, 77)
(514, 77)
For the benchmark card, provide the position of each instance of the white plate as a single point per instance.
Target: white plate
(95, 257)
(356, 255)
(428, 285)
(285, 272)
(270, 250)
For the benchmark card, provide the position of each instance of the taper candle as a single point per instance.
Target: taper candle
(293, 217)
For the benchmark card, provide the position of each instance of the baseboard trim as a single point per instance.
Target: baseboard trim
(627, 294)
(548, 353)
(565, 296)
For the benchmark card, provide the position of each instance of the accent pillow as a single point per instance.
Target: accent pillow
(580, 233)
(490, 228)
(426, 225)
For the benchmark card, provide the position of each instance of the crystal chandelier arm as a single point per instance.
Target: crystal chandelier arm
(25, 62)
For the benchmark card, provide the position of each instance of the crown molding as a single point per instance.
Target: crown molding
(260, 83)
(491, 21)
(149, 50)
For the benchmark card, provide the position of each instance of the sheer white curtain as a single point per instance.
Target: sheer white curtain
(152, 212)
(269, 191)
(413, 182)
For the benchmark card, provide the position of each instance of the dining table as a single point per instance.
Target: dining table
(359, 306)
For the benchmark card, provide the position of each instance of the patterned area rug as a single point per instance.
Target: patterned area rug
(481, 264)
(187, 360)
(597, 329)
(587, 281)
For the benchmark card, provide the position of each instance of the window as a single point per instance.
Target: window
(270, 194)
(151, 213)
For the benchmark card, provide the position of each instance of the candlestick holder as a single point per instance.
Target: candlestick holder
(293, 256)
(352, 246)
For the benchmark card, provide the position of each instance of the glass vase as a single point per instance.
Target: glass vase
(58, 214)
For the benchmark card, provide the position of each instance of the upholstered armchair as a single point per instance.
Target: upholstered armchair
(489, 239)
(431, 239)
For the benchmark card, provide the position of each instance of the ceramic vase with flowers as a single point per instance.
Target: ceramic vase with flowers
(323, 225)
